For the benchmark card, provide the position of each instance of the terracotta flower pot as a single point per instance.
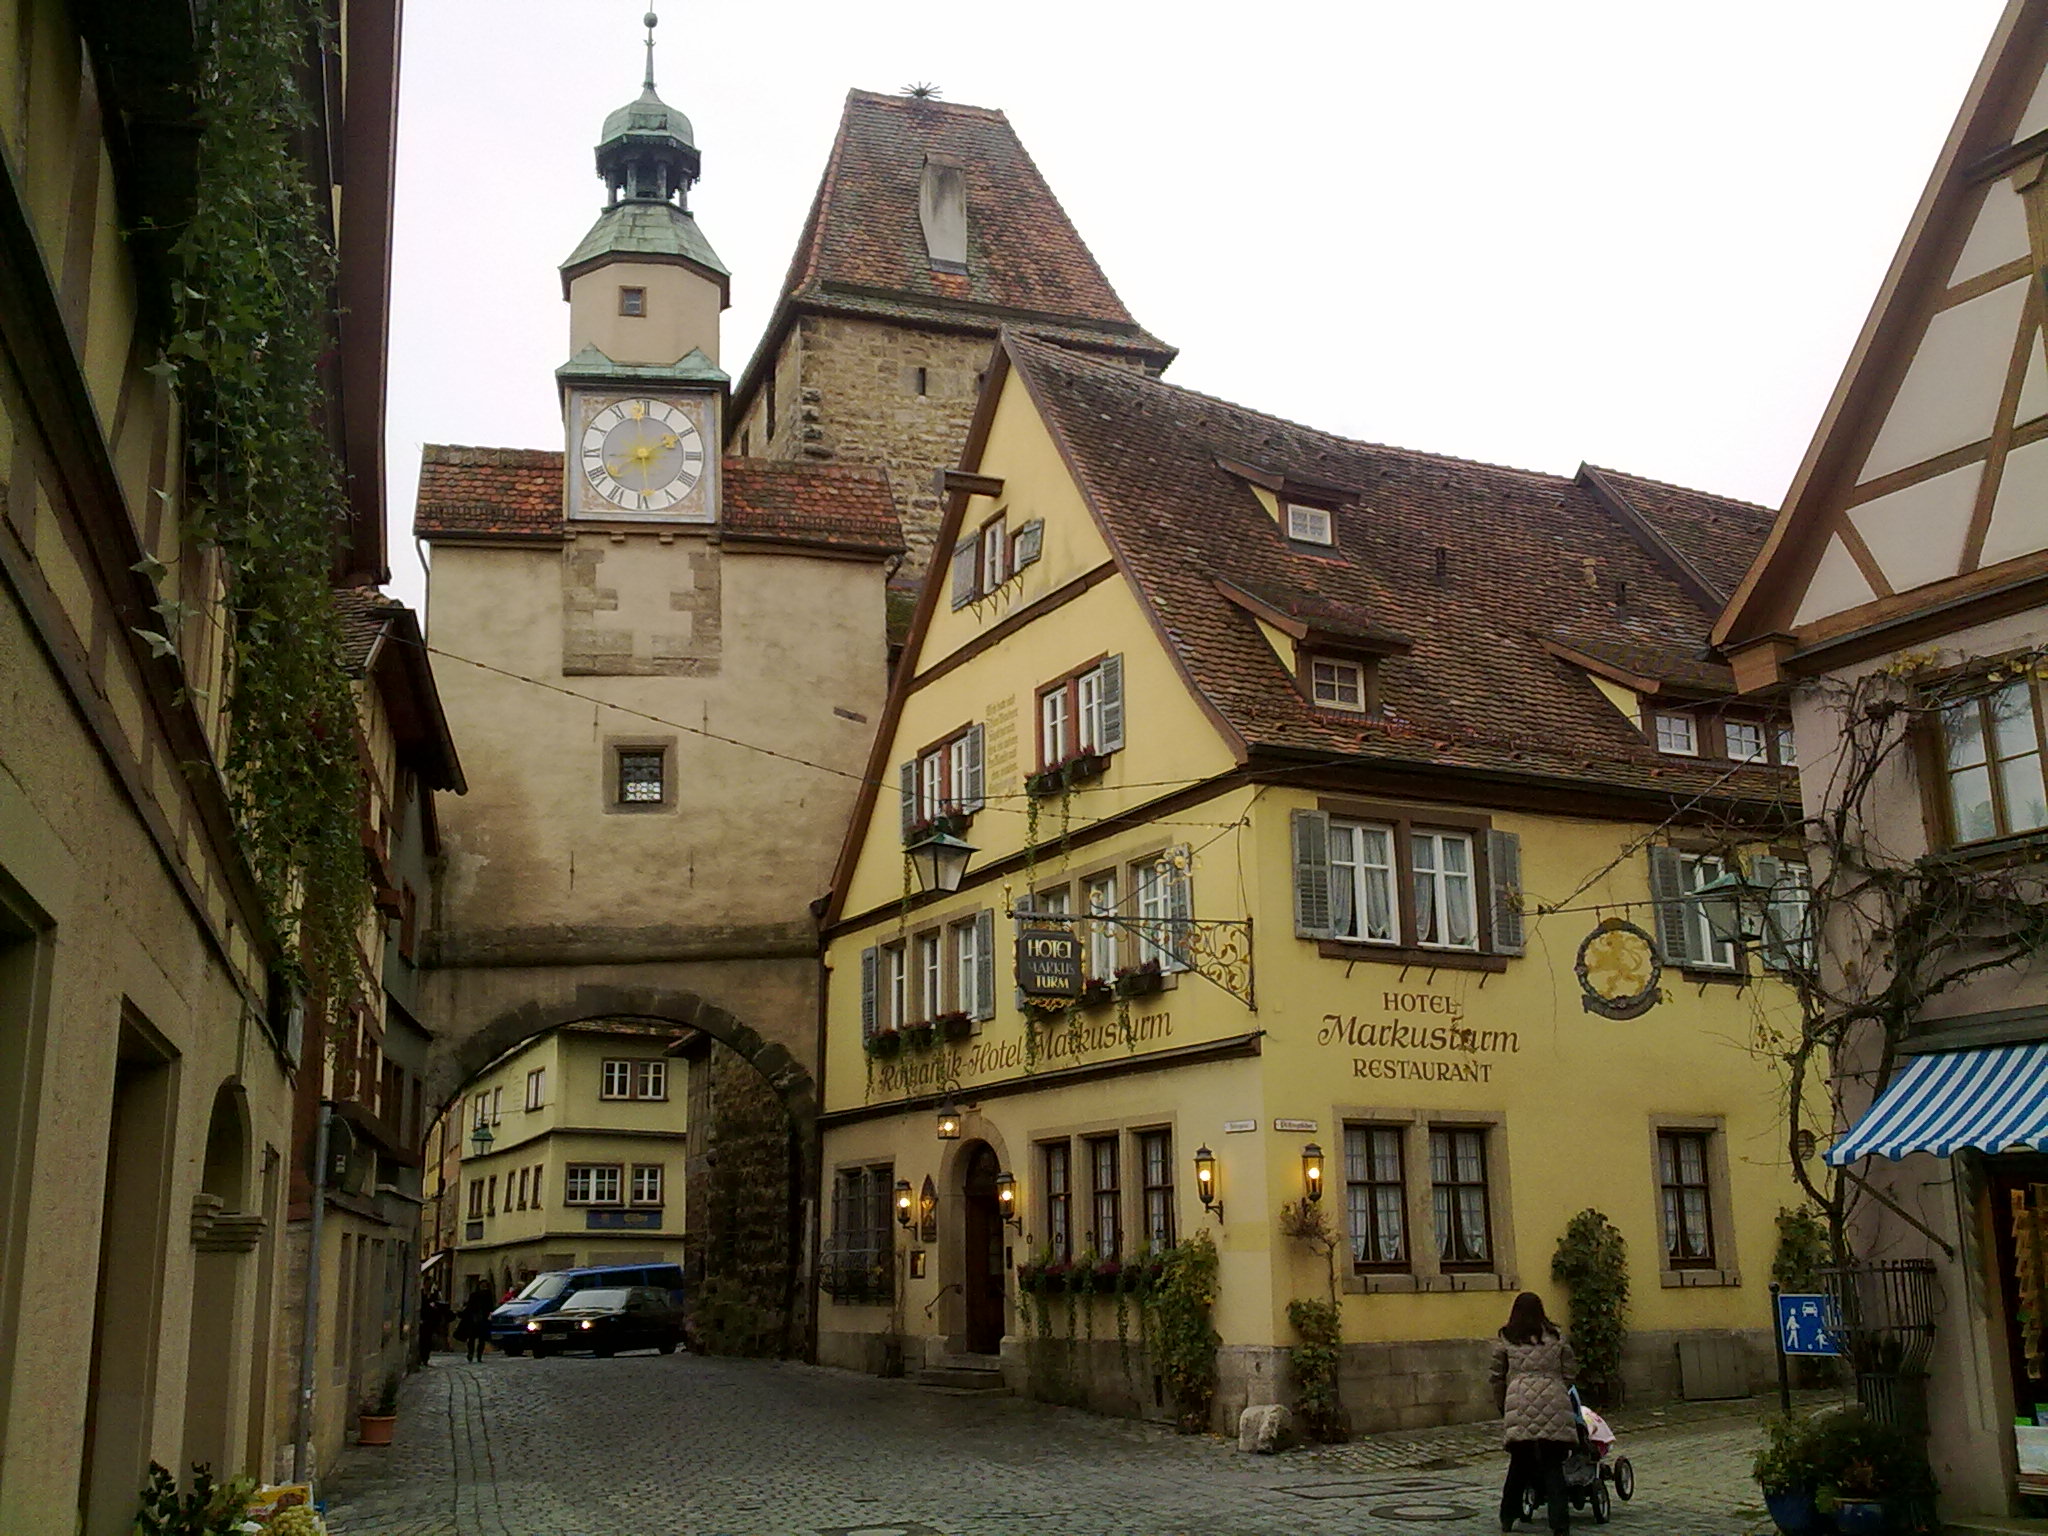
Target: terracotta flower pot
(375, 1428)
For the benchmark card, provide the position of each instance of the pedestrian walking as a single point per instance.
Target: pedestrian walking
(1531, 1375)
(434, 1316)
(475, 1327)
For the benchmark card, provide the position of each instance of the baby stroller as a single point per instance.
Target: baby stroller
(1587, 1471)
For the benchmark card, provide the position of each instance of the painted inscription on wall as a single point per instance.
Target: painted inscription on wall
(1423, 1038)
(1058, 1046)
(999, 743)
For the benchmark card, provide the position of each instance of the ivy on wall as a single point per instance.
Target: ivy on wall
(252, 338)
(1592, 1263)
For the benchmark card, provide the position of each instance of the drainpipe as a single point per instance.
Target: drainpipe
(309, 1333)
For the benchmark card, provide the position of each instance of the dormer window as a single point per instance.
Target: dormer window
(1745, 740)
(1337, 684)
(633, 302)
(1311, 525)
(1676, 734)
(995, 553)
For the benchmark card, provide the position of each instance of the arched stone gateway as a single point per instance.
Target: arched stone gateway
(779, 1253)
(453, 1061)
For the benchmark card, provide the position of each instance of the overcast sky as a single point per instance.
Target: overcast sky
(1632, 232)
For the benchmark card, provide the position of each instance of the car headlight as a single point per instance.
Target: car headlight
(585, 1323)
(533, 1327)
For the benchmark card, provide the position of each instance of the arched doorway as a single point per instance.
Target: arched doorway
(223, 1235)
(981, 1250)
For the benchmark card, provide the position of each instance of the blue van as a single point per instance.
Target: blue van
(546, 1293)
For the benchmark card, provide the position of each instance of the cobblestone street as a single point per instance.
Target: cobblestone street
(647, 1445)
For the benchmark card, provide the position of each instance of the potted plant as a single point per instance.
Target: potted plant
(954, 1024)
(1095, 991)
(1841, 1470)
(1138, 980)
(885, 1044)
(1784, 1470)
(379, 1415)
(921, 1036)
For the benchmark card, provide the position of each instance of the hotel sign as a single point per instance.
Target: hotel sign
(1049, 962)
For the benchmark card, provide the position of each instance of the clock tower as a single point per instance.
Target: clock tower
(642, 391)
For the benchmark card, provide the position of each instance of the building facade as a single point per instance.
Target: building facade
(584, 1163)
(931, 230)
(147, 1054)
(1359, 792)
(1901, 606)
(664, 666)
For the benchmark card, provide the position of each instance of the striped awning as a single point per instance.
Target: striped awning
(1990, 1098)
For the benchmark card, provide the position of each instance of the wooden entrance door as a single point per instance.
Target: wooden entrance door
(982, 1246)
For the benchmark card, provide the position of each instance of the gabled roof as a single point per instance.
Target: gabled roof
(1527, 558)
(862, 251)
(516, 493)
(382, 644)
(2002, 129)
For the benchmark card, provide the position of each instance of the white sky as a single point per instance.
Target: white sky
(1633, 232)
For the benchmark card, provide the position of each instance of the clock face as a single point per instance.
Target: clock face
(642, 455)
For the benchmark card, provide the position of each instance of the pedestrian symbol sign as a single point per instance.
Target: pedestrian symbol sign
(1806, 1325)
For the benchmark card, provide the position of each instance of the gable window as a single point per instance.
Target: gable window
(1745, 741)
(1457, 1190)
(1683, 932)
(1107, 1238)
(1676, 734)
(1082, 714)
(1992, 756)
(633, 302)
(1059, 1199)
(1392, 882)
(1375, 1196)
(1683, 1185)
(1337, 684)
(1026, 544)
(945, 779)
(1311, 525)
(591, 1183)
(995, 553)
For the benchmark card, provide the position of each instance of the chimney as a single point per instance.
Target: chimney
(942, 209)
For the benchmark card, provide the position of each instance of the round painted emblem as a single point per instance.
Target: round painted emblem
(1619, 971)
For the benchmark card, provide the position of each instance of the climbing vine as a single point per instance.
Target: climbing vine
(1315, 1360)
(1592, 1263)
(250, 348)
(1180, 1333)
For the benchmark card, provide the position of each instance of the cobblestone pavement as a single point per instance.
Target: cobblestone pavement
(647, 1445)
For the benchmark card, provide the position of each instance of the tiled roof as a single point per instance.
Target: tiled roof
(364, 612)
(1718, 536)
(1525, 557)
(862, 250)
(516, 493)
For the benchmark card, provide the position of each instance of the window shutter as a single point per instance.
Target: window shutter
(972, 795)
(870, 967)
(1767, 871)
(966, 571)
(1111, 685)
(1311, 875)
(1180, 906)
(1030, 537)
(1667, 889)
(907, 777)
(1504, 858)
(985, 970)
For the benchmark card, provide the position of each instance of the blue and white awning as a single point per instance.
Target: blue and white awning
(1989, 1098)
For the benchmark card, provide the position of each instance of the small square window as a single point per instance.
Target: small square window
(1745, 741)
(633, 301)
(642, 777)
(1676, 734)
(1311, 525)
(1337, 684)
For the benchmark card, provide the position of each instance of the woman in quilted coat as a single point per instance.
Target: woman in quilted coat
(1531, 1375)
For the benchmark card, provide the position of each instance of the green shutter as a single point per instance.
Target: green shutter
(870, 965)
(985, 972)
(972, 795)
(907, 779)
(966, 572)
(1312, 917)
(1504, 861)
(1111, 682)
(1667, 888)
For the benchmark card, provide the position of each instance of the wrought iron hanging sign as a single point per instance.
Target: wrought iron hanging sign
(1619, 971)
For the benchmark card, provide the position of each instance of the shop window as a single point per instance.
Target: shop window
(1458, 1197)
(1376, 1197)
(859, 1262)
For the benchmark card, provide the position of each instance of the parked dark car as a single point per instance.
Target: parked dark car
(545, 1293)
(607, 1321)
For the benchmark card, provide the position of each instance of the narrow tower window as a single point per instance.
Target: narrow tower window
(633, 301)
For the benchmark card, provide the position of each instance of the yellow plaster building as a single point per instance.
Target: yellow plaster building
(1339, 765)
(584, 1163)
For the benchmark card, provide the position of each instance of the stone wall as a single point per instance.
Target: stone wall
(741, 1256)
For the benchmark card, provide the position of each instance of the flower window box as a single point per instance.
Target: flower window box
(954, 1025)
(885, 1044)
(1139, 980)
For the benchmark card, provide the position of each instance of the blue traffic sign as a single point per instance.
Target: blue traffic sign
(1807, 1325)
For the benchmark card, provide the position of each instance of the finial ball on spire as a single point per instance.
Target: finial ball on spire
(651, 20)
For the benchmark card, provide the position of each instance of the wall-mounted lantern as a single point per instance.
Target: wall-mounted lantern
(903, 1202)
(928, 1212)
(1006, 1199)
(1312, 1171)
(949, 1121)
(1205, 1181)
(480, 1139)
(1736, 908)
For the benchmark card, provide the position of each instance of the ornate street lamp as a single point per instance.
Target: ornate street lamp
(480, 1139)
(940, 860)
(949, 1121)
(1006, 1199)
(903, 1202)
(1736, 908)
(1312, 1171)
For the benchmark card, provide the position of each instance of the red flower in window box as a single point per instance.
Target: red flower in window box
(1095, 991)
(1138, 980)
(1067, 772)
